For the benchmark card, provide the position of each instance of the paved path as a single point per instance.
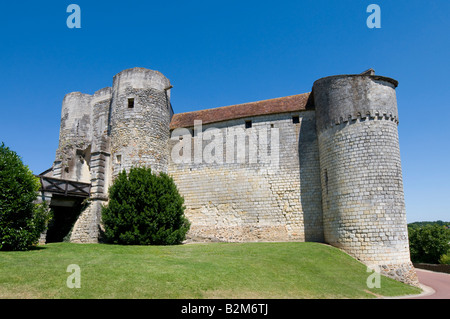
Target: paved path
(438, 282)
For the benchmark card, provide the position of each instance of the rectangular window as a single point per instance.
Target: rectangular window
(130, 103)
(296, 119)
(119, 159)
(248, 124)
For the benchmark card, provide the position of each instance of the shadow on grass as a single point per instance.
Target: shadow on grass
(39, 247)
(32, 248)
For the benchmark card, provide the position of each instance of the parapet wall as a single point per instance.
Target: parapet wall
(354, 97)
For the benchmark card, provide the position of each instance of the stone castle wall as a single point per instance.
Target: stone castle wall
(255, 195)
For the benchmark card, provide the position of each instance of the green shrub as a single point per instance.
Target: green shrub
(21, 221)
(144, 209)
(428, 243)
(445, 259)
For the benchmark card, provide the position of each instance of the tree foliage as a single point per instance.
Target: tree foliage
(21, 220)
(428, 243)
(424, 223)
(144, 209)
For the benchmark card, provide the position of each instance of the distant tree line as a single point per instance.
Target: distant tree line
(438, 223)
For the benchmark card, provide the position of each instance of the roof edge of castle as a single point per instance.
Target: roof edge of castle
(292, 103)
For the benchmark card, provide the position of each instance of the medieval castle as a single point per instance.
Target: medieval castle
(321, 166)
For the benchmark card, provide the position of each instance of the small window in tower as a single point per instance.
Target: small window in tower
(248, 124)
(296, 119)
(131, 103)
(119, 159)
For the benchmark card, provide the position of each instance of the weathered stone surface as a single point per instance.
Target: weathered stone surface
(402, 272)
(87, 227)
(139, 135)
(353, 97)
(74, 138)
(277, 198)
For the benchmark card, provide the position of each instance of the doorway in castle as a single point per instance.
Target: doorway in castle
(65, 212)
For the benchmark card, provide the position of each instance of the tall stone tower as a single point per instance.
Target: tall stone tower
(113, 129)
(75, 138)
(140, 117)
(361, 177)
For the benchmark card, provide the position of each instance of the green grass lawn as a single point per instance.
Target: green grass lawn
(215, 270)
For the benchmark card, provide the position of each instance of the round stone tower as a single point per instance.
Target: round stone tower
(72, 156)
(362, 187)
(140, 117)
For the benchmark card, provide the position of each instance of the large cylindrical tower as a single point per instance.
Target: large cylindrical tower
(362, 187)
(140, 117)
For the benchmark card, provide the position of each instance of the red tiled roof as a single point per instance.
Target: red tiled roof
(292, 103)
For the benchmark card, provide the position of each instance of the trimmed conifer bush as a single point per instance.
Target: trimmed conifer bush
(21, 220)
(144, 209)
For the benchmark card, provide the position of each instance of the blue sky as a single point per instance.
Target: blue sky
(220, 53)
